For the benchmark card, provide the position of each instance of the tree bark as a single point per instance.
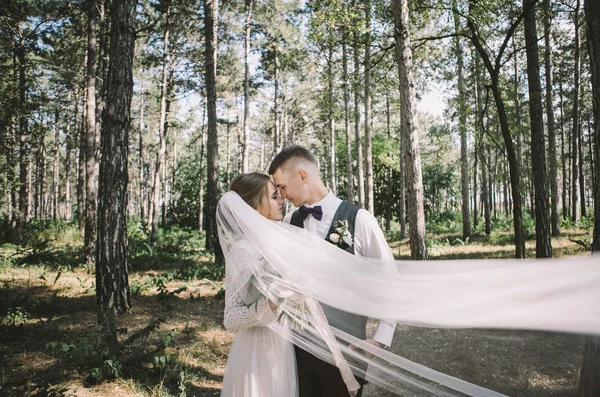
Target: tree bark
(357, 135)
(142, 155)
(68, 138)
(91, 184)
(330, 119)
(246, 138)
(550, 121)
(112, 281)
(211, 10)
(24, 161)
(162, 131)
(543, 246)
(592, 16)
(462, 128)
(589, 384)
(402, 193)
(81, 167)
(349, 174)
(418, 243)
(565, 201)
(369, 199)
(202, 169)
(575, 209)
(276, 132)
(55, 167)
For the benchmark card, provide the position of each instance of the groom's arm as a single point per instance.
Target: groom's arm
(370, 242)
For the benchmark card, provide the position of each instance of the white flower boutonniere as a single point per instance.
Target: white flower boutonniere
(341, 235)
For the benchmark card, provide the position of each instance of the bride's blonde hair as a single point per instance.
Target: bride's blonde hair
(251, 187)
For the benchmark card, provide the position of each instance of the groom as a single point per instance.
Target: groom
(296, 174)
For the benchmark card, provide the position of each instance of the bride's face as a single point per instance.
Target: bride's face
(272, 205)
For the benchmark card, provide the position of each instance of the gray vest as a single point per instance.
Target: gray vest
(352, 324)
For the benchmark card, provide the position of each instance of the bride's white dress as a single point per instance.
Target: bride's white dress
(261, 363)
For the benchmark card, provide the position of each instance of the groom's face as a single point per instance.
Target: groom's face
(292, 184)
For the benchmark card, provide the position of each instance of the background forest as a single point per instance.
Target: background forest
(469, 128)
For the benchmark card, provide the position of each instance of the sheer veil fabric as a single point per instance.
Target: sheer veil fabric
(298, 271)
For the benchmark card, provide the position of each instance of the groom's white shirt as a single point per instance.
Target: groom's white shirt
(369, 242)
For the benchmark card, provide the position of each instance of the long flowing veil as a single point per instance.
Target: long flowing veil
(455, 318)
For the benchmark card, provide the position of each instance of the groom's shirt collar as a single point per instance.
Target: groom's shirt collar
(329, 205)
(326, 202)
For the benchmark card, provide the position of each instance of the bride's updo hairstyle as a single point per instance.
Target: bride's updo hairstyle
(252, 188)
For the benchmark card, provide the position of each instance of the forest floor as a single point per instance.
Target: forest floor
(186, 355)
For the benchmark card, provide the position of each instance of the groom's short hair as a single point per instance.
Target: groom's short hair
(289, 153)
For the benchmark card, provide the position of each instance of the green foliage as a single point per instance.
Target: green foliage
(444, 222)
(176, 248)
(439, 185)
(194, 271)
(92, 350)
(51, 243)
(184, 208)
(582, 223)
(16, 316)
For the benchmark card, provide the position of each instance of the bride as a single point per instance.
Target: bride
(261, 363)
(276, 276)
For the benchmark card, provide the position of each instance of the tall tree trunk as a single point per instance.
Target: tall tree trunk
(357, 135)
(592, 15)
(276, 138)
(349, 175)
(563, 157)
(543, 246)
(575, 209)
(589, 384)
(479, 144)
(211, 10)
(142, 155)
(11, 179)
(227, 150)
(162, 131)
(330, 120)
(55, 167)
(581, 173)
(389, 190)
(24, 161)
(485, 191)
(39, 190)
(112, 280)
(515, 173)
(462, 128)
(202, 170)
(81, 167)
(418, 243)
(91, 184)
(246, 138)
(517, 106)
(69, 139)
(369, 199)
(550, 121)
(402, 193)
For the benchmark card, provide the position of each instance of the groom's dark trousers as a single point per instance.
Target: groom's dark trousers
(316, 378)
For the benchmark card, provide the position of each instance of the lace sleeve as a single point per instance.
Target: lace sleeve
(237, 275)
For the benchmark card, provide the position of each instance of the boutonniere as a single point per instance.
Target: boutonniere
(341, 235)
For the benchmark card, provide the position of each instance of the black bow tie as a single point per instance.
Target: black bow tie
(316, 211)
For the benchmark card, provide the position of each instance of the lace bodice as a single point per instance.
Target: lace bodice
(237, 275)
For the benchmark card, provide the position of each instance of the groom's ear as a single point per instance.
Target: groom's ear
(303, 175)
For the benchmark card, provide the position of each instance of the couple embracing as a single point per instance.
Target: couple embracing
(286, 342)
